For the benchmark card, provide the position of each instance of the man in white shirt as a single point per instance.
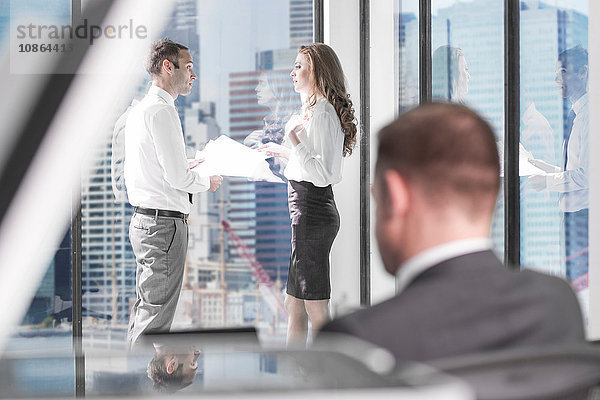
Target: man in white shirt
(571, 179)
(159, 185)
(436, 183)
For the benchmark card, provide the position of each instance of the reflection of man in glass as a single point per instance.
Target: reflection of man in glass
(570, 179)
(450, 74)
(171, 370)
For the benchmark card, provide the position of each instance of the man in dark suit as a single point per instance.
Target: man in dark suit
(436, 183)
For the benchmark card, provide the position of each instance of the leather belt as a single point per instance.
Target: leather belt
(161, 213)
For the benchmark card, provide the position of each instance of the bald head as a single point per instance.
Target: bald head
(446, 151)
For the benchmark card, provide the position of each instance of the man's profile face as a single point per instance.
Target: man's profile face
(569, 81)
(184, 76)
(187, 362)
(462, 81)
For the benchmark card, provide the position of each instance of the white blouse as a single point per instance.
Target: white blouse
(318, 158)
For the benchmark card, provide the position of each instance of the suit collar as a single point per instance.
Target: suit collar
(421, 262)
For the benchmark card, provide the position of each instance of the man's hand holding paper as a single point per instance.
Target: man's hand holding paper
(544, 166)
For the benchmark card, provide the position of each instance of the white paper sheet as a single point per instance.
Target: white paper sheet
(226, 157)
(525, 167)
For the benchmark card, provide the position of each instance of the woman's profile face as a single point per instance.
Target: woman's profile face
(264, 93)
(302, 75)
(462, 82)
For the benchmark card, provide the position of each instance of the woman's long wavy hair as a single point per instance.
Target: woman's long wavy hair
(329, 80)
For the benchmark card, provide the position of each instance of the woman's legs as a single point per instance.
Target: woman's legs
(298, 311)
(318, 312)
(297, 321)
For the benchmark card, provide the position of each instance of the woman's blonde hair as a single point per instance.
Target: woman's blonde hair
(329, 80)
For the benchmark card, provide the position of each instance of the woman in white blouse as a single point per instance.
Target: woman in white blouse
(316, 142)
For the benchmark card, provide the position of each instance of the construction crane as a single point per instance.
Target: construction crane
(266, 286)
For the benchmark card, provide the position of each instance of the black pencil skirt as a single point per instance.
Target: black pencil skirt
(315, 223)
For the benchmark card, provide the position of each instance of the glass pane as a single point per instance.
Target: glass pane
(468, 67)
(47, 323)
(239, 237)
(554, 135)
(408, 55)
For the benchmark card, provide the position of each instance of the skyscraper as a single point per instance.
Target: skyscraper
(301, 22)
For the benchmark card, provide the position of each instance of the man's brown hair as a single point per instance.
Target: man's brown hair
(163, 50)
(446, 150)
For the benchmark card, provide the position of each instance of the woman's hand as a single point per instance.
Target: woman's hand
(294, 134)
(275, 150)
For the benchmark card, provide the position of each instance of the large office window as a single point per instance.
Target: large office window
(468, 66)
(554, 137)
(239, 236)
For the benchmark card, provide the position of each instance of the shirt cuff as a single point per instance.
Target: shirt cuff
(302, 152)
(205, 181)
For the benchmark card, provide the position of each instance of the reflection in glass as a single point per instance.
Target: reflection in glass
(468, 67)
(450, 74)
(173, 368)
(50, 311)
(408, 56)
(570, 178)
(554, 130)
(275, 91)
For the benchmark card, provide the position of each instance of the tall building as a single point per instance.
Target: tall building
(301, 22)
(183, 28)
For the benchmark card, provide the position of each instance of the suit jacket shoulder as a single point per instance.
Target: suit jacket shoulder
(468, 304)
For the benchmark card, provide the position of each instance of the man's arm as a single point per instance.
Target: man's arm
(170, 150)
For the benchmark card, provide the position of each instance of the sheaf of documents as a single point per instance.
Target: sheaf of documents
(226, 157)
(526, 168)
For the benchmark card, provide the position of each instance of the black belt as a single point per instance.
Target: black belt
(160, 213)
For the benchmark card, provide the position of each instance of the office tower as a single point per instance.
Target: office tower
(183, 28)
(282, 59)
(301, 22)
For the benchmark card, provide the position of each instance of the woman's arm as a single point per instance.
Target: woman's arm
(320, 151)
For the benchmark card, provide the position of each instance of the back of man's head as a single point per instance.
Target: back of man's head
(448, 153)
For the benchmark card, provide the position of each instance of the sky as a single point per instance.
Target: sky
(231, 32)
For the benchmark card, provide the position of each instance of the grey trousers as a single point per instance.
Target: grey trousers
(160, 246)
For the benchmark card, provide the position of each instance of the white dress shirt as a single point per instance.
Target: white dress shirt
(318, 158)
(421, 262)
(156, 168)
(572, 184)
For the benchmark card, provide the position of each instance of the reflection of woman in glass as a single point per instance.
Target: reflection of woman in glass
(450, 75)
(319, 138)
(272, 92)
(276, 95)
